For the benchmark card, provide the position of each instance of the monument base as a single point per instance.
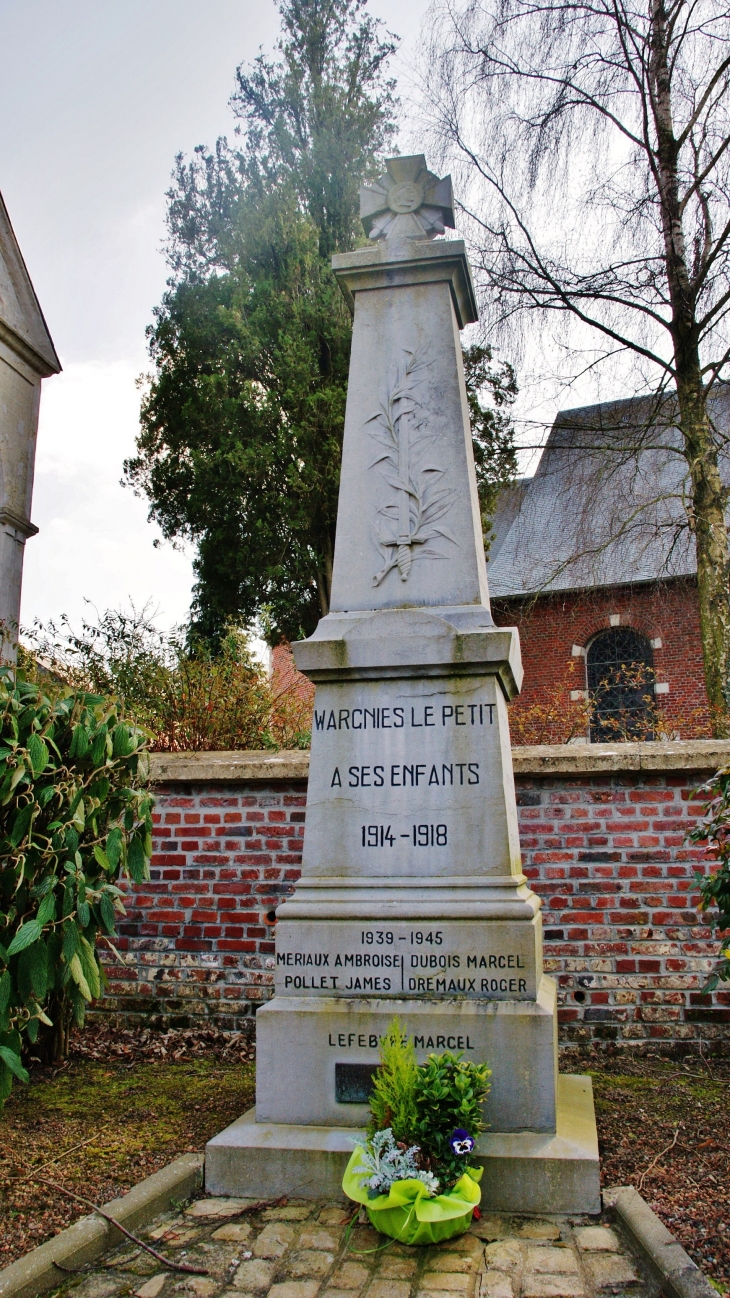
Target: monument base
(301, 1043)
(525, 1171)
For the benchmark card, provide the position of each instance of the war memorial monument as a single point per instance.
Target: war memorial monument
(412, 898)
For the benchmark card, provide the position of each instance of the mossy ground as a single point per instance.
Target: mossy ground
(128, 1121)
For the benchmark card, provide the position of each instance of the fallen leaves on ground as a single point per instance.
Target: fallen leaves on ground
(663, 1127)
(99, 1040)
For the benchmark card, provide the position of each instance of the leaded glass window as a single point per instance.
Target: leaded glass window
(620, 673)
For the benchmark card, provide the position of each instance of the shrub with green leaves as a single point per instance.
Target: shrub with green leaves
(75, 818)
(449, 1094)
(392, 1103)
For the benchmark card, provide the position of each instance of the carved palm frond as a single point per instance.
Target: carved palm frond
(401, 464)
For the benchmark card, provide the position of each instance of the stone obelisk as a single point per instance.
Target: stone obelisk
(412, 898)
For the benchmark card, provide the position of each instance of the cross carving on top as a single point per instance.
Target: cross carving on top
(407, 202)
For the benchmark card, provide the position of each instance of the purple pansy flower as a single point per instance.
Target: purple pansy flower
(461, 1142)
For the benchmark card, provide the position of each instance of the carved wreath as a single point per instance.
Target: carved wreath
(407, 522)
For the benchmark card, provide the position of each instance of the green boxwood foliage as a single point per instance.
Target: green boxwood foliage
(449, 1093)
(424, 1104)
(74, 818)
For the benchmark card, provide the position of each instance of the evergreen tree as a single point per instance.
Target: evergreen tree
(242, 424)
(492, 431)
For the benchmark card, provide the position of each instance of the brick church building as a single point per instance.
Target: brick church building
(594, 561)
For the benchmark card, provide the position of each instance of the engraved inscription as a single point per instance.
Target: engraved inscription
(371, 1041)
(454, 960)
(425, 716)
(406, 775)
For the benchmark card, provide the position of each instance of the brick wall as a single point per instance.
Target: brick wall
(197, 941)
(285, 677)
(551, 625)
(603, 844)
(607, 854)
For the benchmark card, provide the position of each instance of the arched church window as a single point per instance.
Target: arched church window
(620, 672)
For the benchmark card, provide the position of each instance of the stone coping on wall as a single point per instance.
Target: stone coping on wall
(540, 759)
(229, 767)
(590, 759)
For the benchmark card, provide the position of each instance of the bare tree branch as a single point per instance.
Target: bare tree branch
(593, 136)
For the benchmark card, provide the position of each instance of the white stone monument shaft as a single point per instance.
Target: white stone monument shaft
(412, 898)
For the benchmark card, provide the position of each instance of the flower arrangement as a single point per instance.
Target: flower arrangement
(412, 1172)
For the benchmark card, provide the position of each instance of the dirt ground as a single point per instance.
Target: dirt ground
(664, 1127)
(125, 1104)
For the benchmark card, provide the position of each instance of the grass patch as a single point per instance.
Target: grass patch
(127, 1121)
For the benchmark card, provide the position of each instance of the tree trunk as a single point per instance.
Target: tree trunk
(700, 450)
(324, 579)
(713, 555)
(52, 1044)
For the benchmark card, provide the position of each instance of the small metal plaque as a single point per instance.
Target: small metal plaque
(354, 1083)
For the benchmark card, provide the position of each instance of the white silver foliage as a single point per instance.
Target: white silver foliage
(386, 1163)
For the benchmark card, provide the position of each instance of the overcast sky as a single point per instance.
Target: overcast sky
(96, 98)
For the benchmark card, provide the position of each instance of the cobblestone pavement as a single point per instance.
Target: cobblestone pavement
(300, 1251)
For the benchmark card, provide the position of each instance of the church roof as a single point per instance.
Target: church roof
(22, 326)
(607, 505)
